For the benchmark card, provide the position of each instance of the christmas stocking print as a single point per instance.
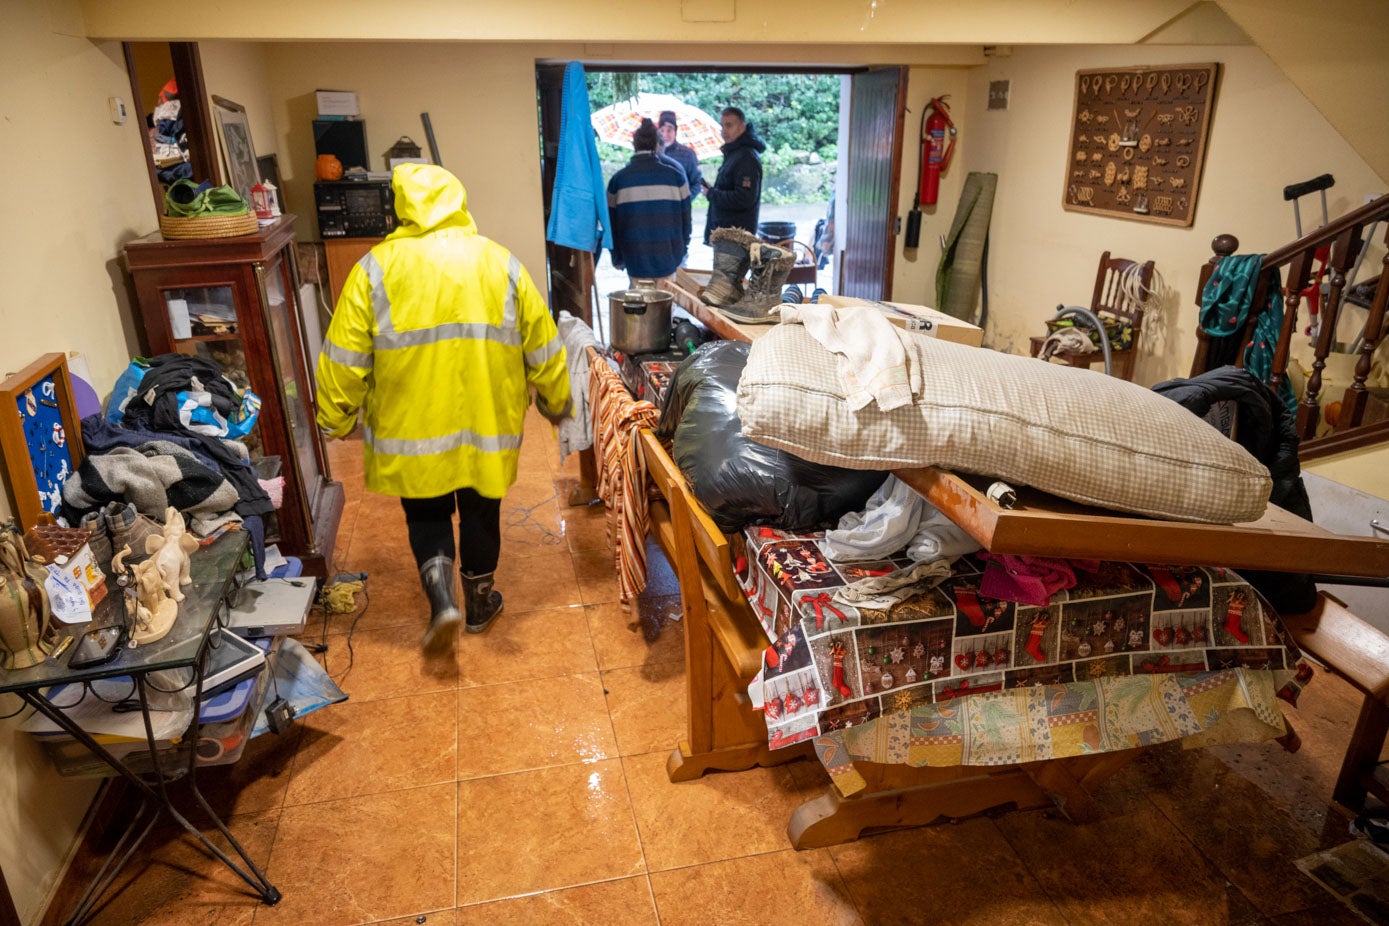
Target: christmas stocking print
(1234, 616)
(1033, 646)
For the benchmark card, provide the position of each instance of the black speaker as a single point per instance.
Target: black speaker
(346, 139)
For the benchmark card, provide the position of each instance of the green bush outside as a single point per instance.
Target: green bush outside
(797, 115)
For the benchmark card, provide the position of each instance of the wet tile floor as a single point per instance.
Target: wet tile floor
(523, 782)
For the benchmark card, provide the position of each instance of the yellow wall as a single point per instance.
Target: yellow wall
(1337, 53)
(77, 189)
(482, 103)
(1041, 256)
(746, 22)
(1366, 469)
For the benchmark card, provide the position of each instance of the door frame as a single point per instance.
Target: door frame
(562, 259)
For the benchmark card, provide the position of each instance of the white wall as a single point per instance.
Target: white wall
(76, 191)
(1264, 135)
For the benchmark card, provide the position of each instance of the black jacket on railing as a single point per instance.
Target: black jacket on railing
(1269, 432)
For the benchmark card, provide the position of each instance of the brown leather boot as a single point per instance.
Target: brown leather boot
(482, 601)
(437, 578)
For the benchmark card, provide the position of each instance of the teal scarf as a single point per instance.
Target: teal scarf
(1225, 305)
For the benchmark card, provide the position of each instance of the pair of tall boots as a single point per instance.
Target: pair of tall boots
(738, 252)
(482, 602)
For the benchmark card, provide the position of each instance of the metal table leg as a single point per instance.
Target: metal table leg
(154, 798)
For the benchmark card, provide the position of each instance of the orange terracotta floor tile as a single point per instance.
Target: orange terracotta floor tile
(522, 780)
(544, 830)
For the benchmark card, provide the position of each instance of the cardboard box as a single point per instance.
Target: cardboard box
(918, 318)
(337, 103)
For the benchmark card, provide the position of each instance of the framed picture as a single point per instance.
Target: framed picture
(1138, 142)
(40, 437)
(238, 154)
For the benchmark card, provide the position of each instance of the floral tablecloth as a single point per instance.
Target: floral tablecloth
(1132, 655)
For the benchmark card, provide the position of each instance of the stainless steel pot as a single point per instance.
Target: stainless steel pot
(639, 320)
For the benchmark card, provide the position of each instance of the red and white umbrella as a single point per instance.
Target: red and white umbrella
(697, 129)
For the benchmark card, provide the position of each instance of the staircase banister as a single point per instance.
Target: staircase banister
(1377, 208)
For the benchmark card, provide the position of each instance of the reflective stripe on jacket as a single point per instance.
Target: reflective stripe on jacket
(436, 336)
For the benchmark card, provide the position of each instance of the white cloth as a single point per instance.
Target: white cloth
(576, 431)
(1067, 339)
(872, 362)
(882, 592)
(895, 515)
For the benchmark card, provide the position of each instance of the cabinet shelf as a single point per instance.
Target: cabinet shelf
(229, 336)
(253, 279)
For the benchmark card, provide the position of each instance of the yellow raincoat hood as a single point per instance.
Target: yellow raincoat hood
(428, 198)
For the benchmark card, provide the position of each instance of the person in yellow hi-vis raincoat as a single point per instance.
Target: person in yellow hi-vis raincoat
(437, 337)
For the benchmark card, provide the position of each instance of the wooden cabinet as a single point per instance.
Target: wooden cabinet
(236, 301)
(341, 254)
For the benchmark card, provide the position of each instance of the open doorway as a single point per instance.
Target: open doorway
(797, 117)
(819, 164)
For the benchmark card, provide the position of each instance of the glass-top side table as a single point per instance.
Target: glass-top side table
(212, 569)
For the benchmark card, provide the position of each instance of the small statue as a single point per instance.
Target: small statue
(25, 617)
(169, 552)
(154, 609)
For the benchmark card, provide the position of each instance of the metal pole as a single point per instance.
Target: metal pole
(429, 137)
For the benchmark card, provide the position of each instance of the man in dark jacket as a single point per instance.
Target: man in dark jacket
(649, 204)
(736, 196)
(682, 156)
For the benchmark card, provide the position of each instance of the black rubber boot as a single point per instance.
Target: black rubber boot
(437, 578)
(770, 266)
(482, 601)
(730, 263)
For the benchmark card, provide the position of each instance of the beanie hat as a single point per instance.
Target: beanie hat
(667, 118)
(644, 138)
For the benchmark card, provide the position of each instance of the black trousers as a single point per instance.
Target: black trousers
(430, 523)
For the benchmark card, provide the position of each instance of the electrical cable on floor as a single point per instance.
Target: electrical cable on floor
(16, 712)
(518, 516)
(339, 597)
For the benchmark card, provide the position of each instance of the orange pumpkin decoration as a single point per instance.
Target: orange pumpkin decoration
(328, 167)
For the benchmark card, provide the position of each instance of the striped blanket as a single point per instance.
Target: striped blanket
(621, 472)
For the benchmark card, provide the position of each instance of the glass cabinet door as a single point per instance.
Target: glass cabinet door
(286, 353)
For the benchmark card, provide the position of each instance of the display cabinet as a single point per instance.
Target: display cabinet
(236, 301)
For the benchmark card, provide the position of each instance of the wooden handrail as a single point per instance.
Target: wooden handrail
(1323, 256)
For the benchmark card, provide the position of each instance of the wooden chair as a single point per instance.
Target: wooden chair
(1110, 301)
(1359, 653)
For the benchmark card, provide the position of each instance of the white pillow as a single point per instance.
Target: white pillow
(1072, 432)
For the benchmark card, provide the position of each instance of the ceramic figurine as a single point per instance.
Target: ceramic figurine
(24, 612)
(169, 552)
(155, 610)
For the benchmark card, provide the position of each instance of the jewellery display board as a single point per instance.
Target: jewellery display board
(1138, 141)
(40, 438)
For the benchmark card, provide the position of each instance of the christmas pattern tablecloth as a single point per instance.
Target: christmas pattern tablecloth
(1131, 655)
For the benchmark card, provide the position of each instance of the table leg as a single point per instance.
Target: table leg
(152, 797)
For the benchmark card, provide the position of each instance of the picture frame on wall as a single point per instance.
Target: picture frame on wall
(40, 437)
(1138, 142)
(238, 152)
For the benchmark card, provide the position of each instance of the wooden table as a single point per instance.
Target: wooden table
(724, 640)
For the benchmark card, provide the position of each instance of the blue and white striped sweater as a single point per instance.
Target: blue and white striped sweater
(649, 205)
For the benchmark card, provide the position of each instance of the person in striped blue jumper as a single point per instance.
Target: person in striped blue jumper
(649, 207)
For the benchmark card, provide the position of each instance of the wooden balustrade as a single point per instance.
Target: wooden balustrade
(1296, 269)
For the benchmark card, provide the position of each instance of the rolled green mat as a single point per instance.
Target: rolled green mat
(959, 273)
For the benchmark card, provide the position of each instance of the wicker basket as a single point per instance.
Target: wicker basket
(208, 226)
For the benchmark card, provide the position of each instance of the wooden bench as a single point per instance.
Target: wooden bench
(724, 643)
(1359, 653)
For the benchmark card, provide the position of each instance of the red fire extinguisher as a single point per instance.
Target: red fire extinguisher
(935, 153)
